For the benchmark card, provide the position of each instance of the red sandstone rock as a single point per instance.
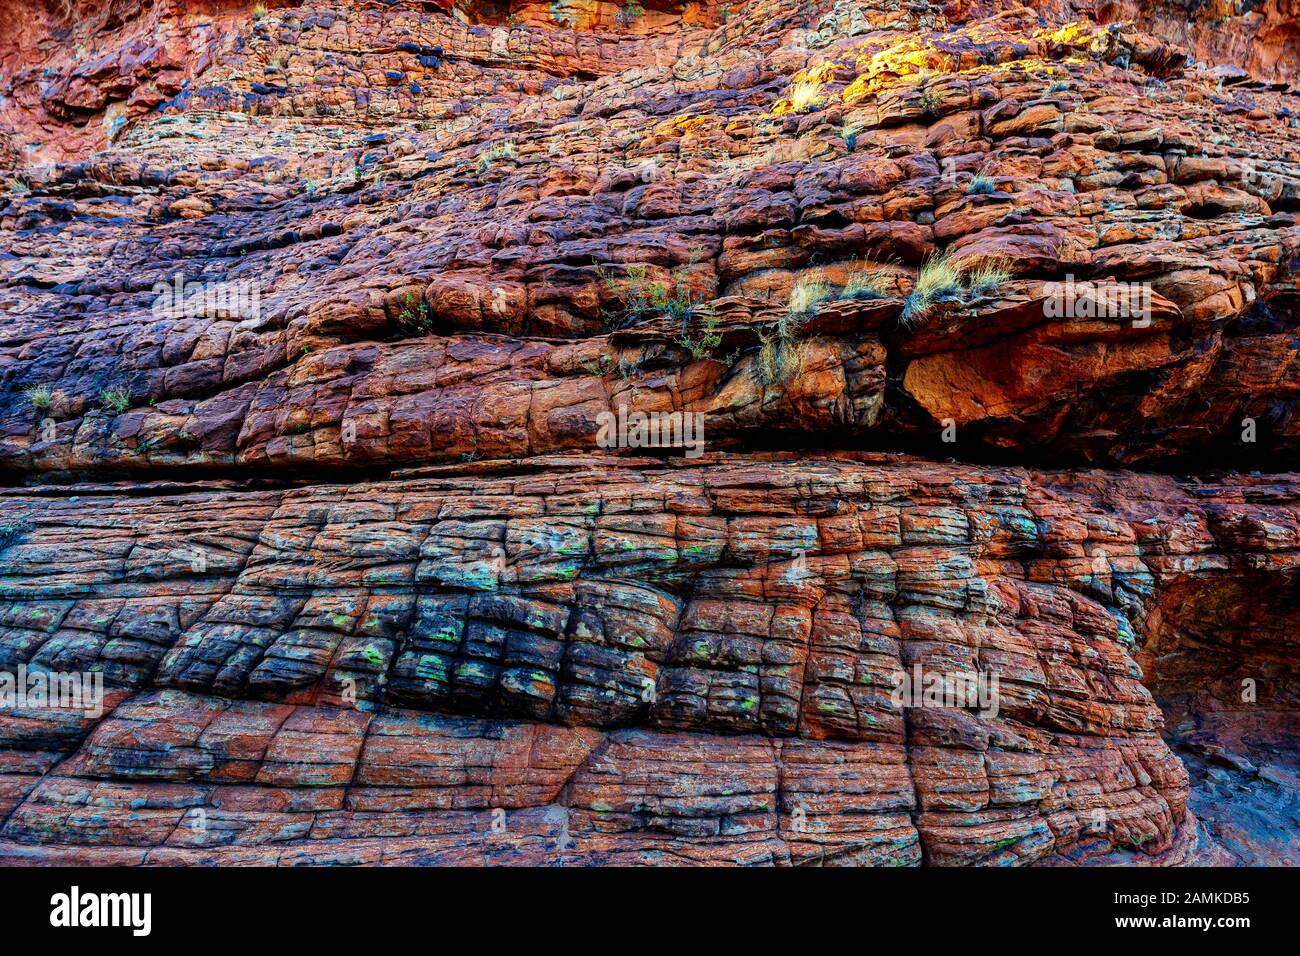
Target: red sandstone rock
(365, 590)
(351, 666)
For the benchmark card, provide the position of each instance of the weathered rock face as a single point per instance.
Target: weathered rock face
(687, 663)
(262, 172)
(1260, 37)
(311, 319)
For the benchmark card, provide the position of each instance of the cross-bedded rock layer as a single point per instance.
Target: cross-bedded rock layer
(422, 298)
(689, 663)
(512, 652)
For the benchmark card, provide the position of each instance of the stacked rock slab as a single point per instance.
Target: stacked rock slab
(361, 584)
(614, 662)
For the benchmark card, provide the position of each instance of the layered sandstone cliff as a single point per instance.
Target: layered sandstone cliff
(363, 585)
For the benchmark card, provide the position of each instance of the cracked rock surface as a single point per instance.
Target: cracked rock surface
(360, 581)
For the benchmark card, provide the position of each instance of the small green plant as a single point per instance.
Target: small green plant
(781, 356)
(643, 297)
(627, 367)
(941, 278)
(929, 102)
(806, 296)
(710, 338)
(116, 400)
(40, 397)
(866, 283)
(504, 150)
(987, 278)
(259, 11)
(629, 13)
(981, 184)
(938, 277)
(805, 96)
(1060, 86)
(19, 188)
(634, 290)
(724, 12)
(414, 316)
